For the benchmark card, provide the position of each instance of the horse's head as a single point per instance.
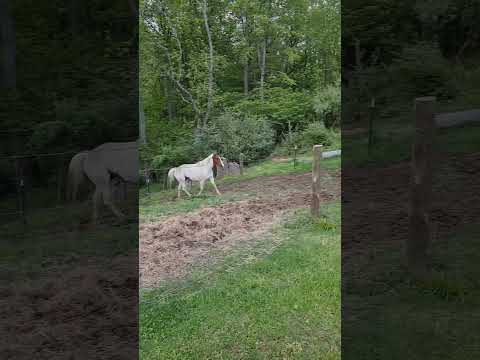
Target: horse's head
(217, 160)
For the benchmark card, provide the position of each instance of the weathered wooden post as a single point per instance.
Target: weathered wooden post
(421, 185)
(315, 204)
(241, 164)
(147, 180)
(370, 126)
(23, 206)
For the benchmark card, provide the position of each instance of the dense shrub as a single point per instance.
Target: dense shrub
(422, 70)
(231, 134)
(51, 135)
(314, 134)
(280, 107)
(170, 155)
(327, 104)
(317, 134)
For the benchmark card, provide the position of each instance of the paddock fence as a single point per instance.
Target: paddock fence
(427, 120)
(34, 186)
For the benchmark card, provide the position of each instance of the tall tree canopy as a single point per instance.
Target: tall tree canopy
(200, 59)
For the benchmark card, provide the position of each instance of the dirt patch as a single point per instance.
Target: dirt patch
(84, 313)
(381, 198)
(170, 247)
(284, 185)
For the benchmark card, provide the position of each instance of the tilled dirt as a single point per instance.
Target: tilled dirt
(170, 247)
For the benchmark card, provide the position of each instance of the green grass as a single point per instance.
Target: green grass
(433, 319)
(270, 167)
(160, 202)
(394, 145)
(285, 305)
(48, 239)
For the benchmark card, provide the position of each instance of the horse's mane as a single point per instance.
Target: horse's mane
(202, 162)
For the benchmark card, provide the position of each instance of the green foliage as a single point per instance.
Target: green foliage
(422, 70)
(231, 134)
(170, 155)
(327, 104)
(316, 134)
(174, 73)
(50, 135)
(280, 106)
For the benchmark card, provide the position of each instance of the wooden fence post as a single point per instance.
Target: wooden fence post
(370, 126)
(315, 204)
(23, 202)
(295, 149)
(241, 164)
(421, 185)
(147, 180)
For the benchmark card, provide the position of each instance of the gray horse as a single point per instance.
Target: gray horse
(101, 166)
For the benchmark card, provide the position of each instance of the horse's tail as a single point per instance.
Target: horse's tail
(75, 175)
(171, 176)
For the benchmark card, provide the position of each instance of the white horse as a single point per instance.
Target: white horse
(200, 171)
(101, 166)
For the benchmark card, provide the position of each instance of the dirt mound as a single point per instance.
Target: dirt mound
(169, 248)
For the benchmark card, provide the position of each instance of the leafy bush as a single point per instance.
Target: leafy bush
(280, 106)
(231, 134)
(170, 155)
(422, 70)
(327, 104)
(317, 134)
(50, 135)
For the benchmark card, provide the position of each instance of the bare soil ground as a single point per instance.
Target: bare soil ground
(170, 247)
(86, 312)
(383, 194)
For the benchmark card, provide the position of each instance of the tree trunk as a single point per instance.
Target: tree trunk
(358, 55)
(8, 75)
(210, 63)
(142, 131)
(245, 78)
(134, 11)
(262, 54)
(73, 17)
(168, 98)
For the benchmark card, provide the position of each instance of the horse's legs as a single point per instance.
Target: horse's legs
(97, 197)
(179, 189)
(215, 186)
(202, 183)
(103, 190)
(107, 200)
(184, 187)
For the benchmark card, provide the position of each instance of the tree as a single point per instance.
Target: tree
(8, 76)
(204, 6)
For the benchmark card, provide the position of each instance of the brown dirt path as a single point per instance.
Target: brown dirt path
(171, 246)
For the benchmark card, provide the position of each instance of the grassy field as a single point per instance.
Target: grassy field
(260, 302)
(158, 203)
(436, 319)
(282, 306)
(388, 315)
(393, 145)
